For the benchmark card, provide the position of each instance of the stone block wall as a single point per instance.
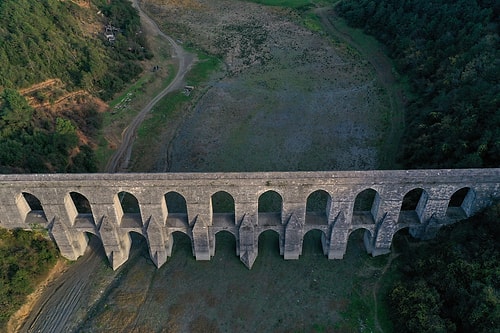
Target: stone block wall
(112, 222)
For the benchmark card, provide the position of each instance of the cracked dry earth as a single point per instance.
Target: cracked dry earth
(288, 99)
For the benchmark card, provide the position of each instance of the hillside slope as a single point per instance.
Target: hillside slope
(59, 58)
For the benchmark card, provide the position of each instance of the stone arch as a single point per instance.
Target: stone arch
(223, 211)
(366, 207)
(318, 207)
(128, 211)
(175, 209)
(359, 235)
(138, 241)
(461, 203)
(227, 240)
(270, 207)
(79, 210)
(94, 240)
(179, 242)
(314, 242)
(402, 239)
(84, 238)
(30, 208)
(268, 243)
(413, 206)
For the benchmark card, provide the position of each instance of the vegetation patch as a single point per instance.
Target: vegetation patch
(33, 140)
(451, 283)
(60, 56)
(167, 114)
(24, 257)
(449, 50)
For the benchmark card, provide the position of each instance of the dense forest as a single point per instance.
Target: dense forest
(40, 40)
(450, 52)
(24, 256)
(43, 41)
(452, 283)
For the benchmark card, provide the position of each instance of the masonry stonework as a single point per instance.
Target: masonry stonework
(111, 206)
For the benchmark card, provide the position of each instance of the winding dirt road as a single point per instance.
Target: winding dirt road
(120, 160)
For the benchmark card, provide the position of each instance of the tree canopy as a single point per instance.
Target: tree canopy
(452, 283)
(40, 40)
(43, 40)
(450, 52)
(24, 255)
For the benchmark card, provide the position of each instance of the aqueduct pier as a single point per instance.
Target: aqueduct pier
(156, 205)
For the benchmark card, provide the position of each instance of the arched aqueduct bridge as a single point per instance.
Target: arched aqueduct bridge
(156, 205)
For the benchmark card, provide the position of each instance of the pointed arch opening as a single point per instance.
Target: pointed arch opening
(225, 246)
(318, 208)
(139, 245)
(461, 203)
(128, 211)
(79, 210)
(358, 242)
(366, 207)
(95, 245)
(270, 208)
(413, 206)
(222, 204)
(181, 246)
(175, 209)
(314, 243)
(269, 246)
(31, 209)
(403, 242)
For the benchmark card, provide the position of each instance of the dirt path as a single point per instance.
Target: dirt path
(60, 303)
(120, 160)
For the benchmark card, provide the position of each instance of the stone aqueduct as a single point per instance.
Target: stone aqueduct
(111, 206)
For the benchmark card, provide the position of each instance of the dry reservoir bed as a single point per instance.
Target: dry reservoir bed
(222, 295)
(289, 99)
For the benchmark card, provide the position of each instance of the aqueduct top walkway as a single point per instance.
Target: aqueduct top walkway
(111, 206)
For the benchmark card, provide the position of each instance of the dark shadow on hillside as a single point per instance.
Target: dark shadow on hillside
(95, 246)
